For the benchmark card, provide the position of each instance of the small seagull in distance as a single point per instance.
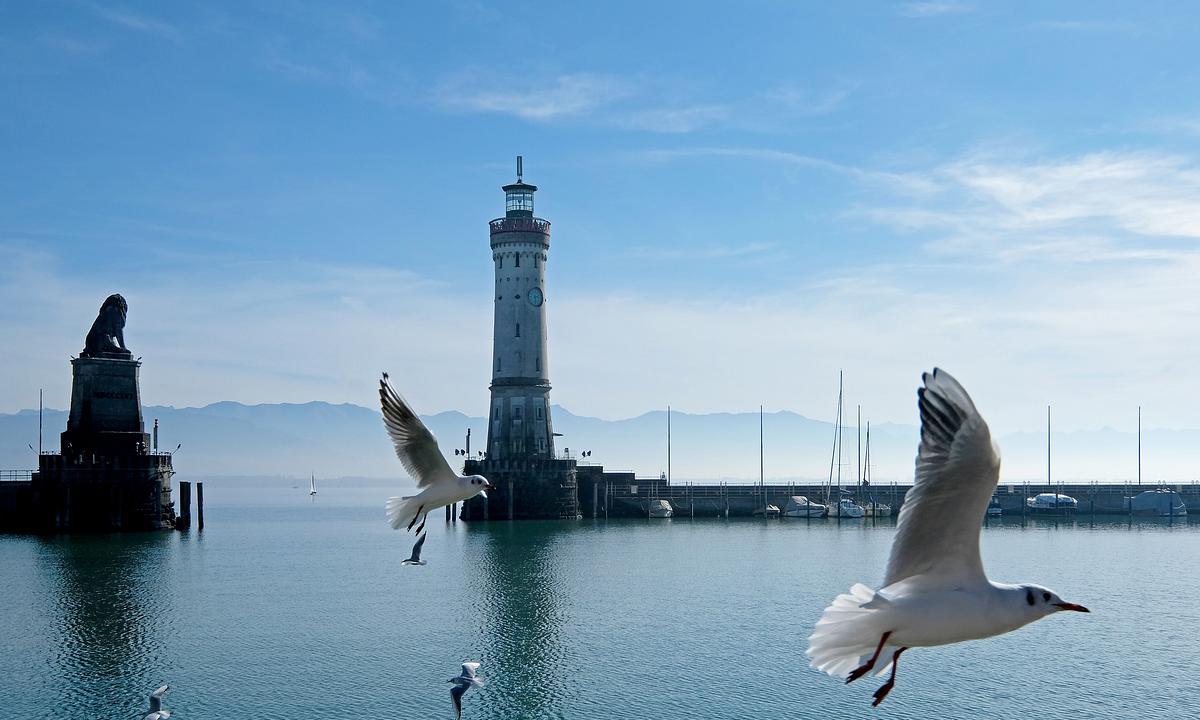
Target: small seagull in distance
(418, 452)
(935, 591)
(464, 682)
(415, 558)
(156, 709)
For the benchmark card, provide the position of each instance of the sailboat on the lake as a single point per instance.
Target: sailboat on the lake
(1054, 502)
(871, 507)
(312, 485)
(841, 507)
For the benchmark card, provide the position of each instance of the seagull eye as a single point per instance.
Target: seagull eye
(1046, 596)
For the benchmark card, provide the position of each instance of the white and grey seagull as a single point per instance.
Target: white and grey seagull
(156, 709)
(935, 591)
(465, 680)
(415, 558)
(418, 452)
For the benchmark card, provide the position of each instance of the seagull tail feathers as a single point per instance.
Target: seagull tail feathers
(401, 511)
(848, 633)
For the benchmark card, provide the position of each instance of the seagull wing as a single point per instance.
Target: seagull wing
(456, 694)
(415, 445)
(957, 471)
(469, 668)
(416, 551)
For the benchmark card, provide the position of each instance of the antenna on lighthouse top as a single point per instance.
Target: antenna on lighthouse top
(520, 170)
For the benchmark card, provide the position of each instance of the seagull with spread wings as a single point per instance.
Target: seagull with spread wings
(935, 591)
(156, 709)
(418, 452)
(415, 558)
(466, 680)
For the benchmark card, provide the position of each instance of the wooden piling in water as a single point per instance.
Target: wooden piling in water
(448, 514)
(184, 520)
(200, 505)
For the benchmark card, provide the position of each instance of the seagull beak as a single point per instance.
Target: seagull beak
(488, 486)
(1071, 606)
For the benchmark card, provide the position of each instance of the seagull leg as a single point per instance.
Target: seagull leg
(414, 520)
(866, 667)
(883, 691)
(422, 525)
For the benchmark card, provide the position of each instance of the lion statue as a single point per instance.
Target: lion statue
(107, 336)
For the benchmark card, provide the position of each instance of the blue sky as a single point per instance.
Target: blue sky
(745, 198)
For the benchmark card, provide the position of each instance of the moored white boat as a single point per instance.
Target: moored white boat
(846, 508)
(1051, 504)
(877, 509)
(661, 509)
(800, 506)
(993, 508)
(770, 510)
(1160, 502)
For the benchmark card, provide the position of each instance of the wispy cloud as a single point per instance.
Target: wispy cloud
(800, 101)
(674, 120)
(932, 9)
(908, 183)
(569, 95)
(138, 22)
(1002, 203)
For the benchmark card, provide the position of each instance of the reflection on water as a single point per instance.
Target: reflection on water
(112, 603)
(303, 611)
(523, 619)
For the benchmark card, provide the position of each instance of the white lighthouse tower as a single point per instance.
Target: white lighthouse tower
(519, 422)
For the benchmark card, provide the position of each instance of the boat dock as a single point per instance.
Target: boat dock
(606, 496)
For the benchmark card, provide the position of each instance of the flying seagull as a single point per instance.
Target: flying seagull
(156, 708)
(935, 591)
(462, 683)
(418, 452)
(415, 559)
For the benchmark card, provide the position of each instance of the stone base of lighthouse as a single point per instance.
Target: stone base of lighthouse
(534, 488)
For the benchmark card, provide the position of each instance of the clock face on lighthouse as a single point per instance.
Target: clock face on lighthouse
(535, 297)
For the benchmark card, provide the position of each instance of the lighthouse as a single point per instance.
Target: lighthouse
(530, 482)
(519, 423)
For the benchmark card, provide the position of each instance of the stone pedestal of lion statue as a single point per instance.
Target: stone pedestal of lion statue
(106, 477)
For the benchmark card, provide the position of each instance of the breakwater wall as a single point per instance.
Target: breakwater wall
(630, 497)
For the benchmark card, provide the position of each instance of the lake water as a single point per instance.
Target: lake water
(297, 609)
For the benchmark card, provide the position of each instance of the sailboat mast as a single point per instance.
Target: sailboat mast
(668, 444)
(1049, 486)
(860, 469)
(839, 436)
(762, 482)
(1139, 444)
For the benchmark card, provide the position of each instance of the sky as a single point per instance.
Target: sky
(746, 198)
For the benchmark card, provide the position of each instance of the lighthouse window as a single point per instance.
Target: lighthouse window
(517, 260)
(537, 365)
(519, 200)
(518, 329)
(538, 412)
(497, 364)
(535, 259)
(496, 413)
(516, 413)
(500, 261)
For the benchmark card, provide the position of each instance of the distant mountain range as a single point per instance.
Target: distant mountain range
(231, 439)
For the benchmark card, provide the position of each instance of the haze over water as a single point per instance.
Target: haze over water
(301, 609)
